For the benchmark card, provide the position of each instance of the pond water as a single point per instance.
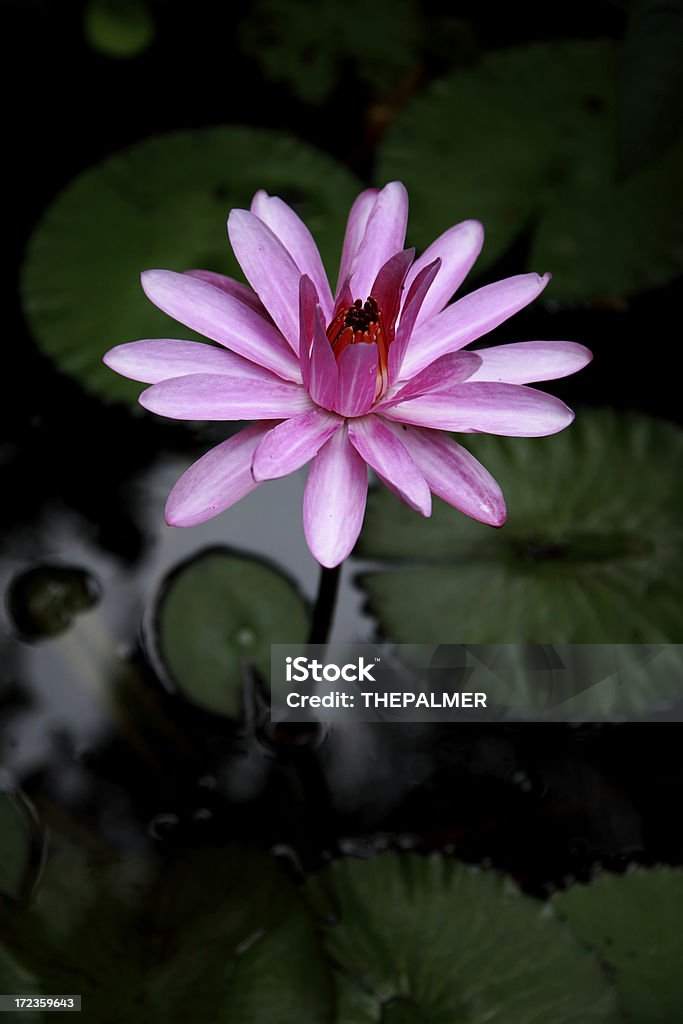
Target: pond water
(63, 676)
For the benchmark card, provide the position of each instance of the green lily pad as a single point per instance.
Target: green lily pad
(161, 203)
(216, 612)
(216, 934)
(592, 551)
(312, 48)
(633, 923)
(118, 28)
(527, 140)
(431, 940)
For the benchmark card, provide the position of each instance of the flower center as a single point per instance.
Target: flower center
(355, 325)
(362, 316)
(361, 324)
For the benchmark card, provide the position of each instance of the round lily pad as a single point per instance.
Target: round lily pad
(431, 940)
(161, 203)
(216, 614)
(633, 923)
(592, 551)
(526, 141)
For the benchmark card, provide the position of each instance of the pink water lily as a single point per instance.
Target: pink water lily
(374, 375)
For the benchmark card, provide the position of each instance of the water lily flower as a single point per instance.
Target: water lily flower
(376, 374)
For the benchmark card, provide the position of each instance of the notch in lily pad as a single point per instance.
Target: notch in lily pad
(216, 614)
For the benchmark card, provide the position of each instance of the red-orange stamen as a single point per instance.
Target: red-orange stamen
(361, 324)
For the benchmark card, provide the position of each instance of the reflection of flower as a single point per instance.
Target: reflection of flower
(375, 375)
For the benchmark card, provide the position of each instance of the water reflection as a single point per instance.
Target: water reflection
(68, 678)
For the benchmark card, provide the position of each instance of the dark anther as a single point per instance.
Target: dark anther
(361, 316)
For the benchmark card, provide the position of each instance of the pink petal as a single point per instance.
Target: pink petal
(219, 479)
(290, 445)
(440, 375)
(417, 291)
(454, 475)
(308, 300)
(507, 409)
(357, 379)
(355, 230)
(387, 287)
(297, 240)
(204, 396)
(159, 359)
(223, 318)
(344, 296)
(458, 249)
(384, 236)
(389, 458)
(470, 318)
(235, 288)
(269, 269)
(525, 362)
(334, 500)
(324, 370)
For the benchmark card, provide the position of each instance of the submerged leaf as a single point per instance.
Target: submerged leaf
(43, 601)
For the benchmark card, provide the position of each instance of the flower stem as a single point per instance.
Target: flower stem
(324, 605)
